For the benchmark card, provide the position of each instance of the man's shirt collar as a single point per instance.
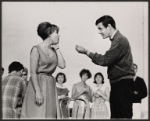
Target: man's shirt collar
(112, 36)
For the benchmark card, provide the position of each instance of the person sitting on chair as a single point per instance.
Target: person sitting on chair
(62, 92)
(82, 91)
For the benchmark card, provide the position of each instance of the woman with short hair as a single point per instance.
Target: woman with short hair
(82, 91)
(62, 92)
(99, 109)
(41, 101)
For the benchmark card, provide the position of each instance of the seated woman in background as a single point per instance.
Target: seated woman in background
(83, 91)
(62, 92)
(101, 93)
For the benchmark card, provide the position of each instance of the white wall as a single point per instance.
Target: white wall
(77, 26)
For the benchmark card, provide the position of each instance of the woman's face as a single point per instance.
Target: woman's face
(84, 77)
(55, 37)
(60, 79)
(98, 79)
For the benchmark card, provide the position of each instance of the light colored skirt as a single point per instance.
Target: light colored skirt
(99, 111)
(50, 108)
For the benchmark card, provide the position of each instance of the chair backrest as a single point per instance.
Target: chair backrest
(83, 103)
(66, 99)
(69, 105)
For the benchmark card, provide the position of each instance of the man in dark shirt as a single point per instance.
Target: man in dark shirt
(120, 71)
(140, 91)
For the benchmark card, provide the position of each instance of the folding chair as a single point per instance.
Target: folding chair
(69, 108)
(64, 107)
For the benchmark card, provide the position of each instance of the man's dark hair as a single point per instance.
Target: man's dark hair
(106, 20)
(15, 66)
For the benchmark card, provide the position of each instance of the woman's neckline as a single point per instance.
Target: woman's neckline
(60, 86)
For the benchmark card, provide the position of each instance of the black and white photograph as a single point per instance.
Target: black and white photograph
(74, 60)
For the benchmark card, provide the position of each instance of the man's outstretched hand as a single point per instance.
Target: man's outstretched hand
(80, 49)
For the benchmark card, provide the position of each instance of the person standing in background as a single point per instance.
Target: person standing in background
(120, 71)
(13, 91)
(101, 94)
(140, 91)
(41, 101)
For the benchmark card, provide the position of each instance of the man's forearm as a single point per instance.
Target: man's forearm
(89, 54)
